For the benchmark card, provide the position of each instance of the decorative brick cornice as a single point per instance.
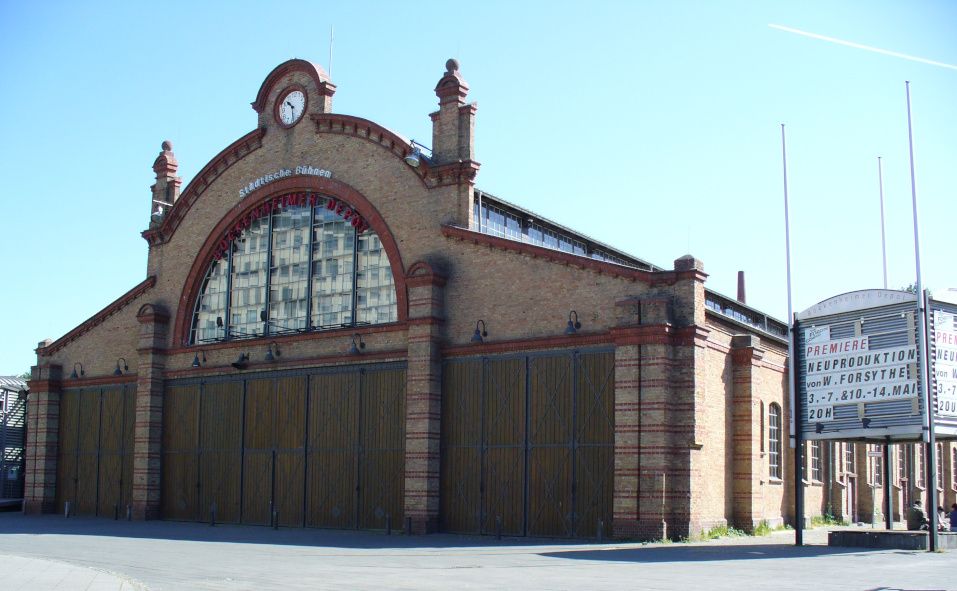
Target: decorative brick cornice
(430, 176)
(653, 278)
(98, 318)
(454, 173)
(660, 334)
(43, 386)
(747, 356)
(217, 166)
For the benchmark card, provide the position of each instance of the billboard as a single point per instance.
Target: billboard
(942, 351)
(857, 372)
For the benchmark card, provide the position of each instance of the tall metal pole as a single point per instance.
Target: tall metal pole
(930, 468)
(888, 490)
(332, 34)
(792, 379)
(880, 182)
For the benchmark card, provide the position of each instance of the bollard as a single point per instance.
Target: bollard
(129, 512)
(275, 519)
(212, 514)
(388, 524)
(601, 530)
(498, 527)
(66, 509)
(408, 526)
(116, 512)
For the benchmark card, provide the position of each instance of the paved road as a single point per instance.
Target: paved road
(52, 552)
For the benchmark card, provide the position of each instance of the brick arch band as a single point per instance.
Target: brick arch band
(330, 187)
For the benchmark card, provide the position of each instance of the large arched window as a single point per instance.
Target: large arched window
(296, 263)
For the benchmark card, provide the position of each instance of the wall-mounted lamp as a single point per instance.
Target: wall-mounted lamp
(477, 335)
(271, 354)
(118, 371)
(196, 362)
(74, 375)
(241, 361)
(572, 327)
(357, 345)
(414, 158)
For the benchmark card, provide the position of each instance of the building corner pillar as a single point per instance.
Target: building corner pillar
(746, 417)
(148, 424)
(423, 402)
(43, 433)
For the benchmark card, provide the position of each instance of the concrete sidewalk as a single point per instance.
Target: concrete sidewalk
(52, 552)
(27, 574)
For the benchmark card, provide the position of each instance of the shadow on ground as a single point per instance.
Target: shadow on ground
(704, 553)
(40, 525)
(17, 523)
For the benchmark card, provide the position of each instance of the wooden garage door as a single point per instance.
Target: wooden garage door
(95, 456)
(527, 444)
(323, 449)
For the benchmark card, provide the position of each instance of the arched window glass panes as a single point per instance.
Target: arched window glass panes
(247, 293)
(375, 293)
(289, 269)
(333, 264)
(211, 307)
(299, 268)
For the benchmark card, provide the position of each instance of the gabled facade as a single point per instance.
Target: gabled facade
(336, 330)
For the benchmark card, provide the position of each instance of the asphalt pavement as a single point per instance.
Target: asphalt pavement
(50, 552)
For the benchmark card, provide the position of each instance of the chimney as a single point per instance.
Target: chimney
(453, 125)
(741, 296)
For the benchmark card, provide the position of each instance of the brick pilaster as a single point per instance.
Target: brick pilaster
(746, 438)
(43, 432)
(148, 424)
(423, 410)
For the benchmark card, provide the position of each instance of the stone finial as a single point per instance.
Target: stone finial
(452, 88)
(165, 163)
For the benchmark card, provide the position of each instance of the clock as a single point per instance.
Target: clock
(292, 105)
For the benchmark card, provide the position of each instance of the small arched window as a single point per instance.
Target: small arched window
(774, 440)
(302, 265)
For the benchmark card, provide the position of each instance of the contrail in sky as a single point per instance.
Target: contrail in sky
(864, 47)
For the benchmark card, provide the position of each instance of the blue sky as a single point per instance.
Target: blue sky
(651, 126)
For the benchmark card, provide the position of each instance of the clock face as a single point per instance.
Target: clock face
(291, 107)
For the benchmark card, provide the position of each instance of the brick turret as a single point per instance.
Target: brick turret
(453, 125)
(166, 189)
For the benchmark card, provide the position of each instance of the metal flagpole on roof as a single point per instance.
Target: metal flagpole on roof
(795, 435)
(930, 467)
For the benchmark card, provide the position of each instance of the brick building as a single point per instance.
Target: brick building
(339, 330)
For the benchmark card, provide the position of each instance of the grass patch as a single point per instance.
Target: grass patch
(826, 520)
(718, 531)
